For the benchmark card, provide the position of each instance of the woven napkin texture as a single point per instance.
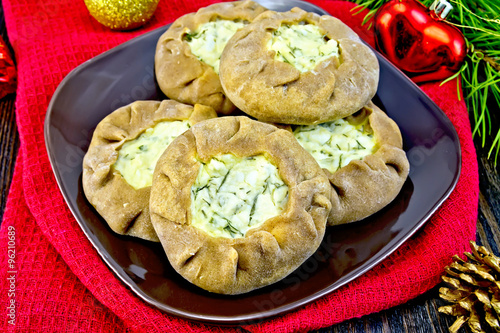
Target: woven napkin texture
(57, 280)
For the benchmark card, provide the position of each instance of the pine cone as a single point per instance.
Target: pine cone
(474, 288)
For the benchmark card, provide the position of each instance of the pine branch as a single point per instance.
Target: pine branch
(479, 21)
(492, 61)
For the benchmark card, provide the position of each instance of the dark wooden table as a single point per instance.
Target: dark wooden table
(9, 138)
(418, 315)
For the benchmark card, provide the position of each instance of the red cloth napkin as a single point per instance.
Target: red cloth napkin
(51, 277)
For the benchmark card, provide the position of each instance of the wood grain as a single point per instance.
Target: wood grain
(9, 138)
(9, 145)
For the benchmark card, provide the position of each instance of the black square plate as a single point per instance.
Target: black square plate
(126, 73)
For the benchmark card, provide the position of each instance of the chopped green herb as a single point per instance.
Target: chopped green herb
(252, 210)
(190, 36)
(232, 230)
(196, 190)
(223, 180)
(340, 162)
(360, 145)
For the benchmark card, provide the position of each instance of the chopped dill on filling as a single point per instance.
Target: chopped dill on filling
(302, 46)
(137, 158)
(209, 40)
(232, 195)
(334, 144)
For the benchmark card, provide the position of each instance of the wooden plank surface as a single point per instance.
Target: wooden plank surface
(9, 138)
(418, 315)
(9, 144)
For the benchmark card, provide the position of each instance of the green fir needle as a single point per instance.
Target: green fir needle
(479, 21)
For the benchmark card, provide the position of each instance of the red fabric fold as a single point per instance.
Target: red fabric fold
(61, 284)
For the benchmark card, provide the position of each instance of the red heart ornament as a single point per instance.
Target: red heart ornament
(418, 41)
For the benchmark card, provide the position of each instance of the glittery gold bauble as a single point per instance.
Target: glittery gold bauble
(122, 14)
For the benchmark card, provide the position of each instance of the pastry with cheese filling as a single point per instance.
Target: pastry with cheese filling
(238, 204)
(187, 54)
(298, 68)
(363, 158)
(119, 164)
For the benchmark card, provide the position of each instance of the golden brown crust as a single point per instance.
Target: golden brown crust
(363, 187)
(180, 75)
(274, 91)
(268, 252)
(124, 208)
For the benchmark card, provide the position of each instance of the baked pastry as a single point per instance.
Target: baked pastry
(298, 68)
(238, 204)
(363, 158)
(187, 54)
(118, 166)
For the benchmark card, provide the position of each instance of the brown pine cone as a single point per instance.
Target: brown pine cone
(474, 290)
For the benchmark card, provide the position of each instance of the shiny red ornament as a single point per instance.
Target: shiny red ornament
(8, 73)
(418, 41)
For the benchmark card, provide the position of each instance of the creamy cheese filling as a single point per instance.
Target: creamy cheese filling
(336, 143)
(137, 158)
(209, 40)
(232, 195)
(302, 45)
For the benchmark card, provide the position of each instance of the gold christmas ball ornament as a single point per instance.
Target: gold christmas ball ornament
(122, 14)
